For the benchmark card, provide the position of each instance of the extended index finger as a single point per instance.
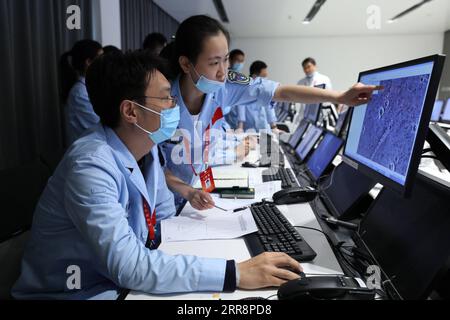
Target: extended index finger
(370, 88)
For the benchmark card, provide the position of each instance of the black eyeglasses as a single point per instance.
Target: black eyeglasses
(173, 101)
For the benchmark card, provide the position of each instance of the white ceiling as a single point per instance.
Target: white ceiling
(283, 18)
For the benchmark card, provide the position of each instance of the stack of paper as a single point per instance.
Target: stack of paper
(206, 226)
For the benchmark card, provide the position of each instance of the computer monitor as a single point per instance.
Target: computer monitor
(386, 136)
(409, 239)
(446, 114)
(312, 111)
(342, 123)
(308, 142)
(298, 134)
(344, 192)
(324, 154)
(437, 110)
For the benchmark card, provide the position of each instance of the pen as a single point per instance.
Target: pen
(240, 209)
(220, 208)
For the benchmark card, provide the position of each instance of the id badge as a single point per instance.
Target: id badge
(207, 179)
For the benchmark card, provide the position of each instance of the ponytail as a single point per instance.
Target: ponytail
(73, 64)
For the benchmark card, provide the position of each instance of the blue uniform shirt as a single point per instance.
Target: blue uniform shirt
(238, 89)
(257, 117)
(80, 114)
(91, 216)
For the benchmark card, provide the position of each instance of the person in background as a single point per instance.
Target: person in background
(101, 211)
(312, 76)
(154, 43)
(79, 112)
(237, 60)
(256, 117)
(111, 49)
(237, 63)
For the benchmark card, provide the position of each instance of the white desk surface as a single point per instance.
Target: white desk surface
(298, 214)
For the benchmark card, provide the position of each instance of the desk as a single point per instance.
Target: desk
(298, 214)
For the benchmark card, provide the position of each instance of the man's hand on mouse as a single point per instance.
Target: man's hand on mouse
(270, 269)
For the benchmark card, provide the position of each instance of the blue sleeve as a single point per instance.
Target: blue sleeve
(258, 91)
(91, 200)
(84, 111)
(241, 113)
(270, 113)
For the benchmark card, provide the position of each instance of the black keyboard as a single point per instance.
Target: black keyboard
(276, 234)
(285, 175)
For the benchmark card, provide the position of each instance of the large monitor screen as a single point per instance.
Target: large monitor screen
(324, 155)
(437, 110)
(298, 134)
(308, 142)
(446, 114)
(386, 136)
(410, 238)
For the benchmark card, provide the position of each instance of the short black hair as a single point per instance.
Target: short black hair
(154, 40)
(111, 49)
(113, 78)
(236, 52)
(257, 67)
(308, 60)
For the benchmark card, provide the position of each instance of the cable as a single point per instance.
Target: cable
(430, 157)
(321, 189)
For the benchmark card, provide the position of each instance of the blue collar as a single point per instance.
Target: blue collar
(121, 149)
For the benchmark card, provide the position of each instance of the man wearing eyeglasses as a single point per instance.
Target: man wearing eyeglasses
(96, 227)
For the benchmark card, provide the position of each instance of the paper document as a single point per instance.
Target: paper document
(206, 226)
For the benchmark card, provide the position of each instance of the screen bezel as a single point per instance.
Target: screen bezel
(405, 190)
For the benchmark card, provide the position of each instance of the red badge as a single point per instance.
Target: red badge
(207, 179)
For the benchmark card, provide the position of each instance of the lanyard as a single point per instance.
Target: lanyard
(218, 114)
(149, 219)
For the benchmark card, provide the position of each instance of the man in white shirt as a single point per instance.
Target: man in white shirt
(313, 77)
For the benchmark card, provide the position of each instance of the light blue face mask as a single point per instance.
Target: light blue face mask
(311, 75)
(206, 85)
(169, 120)
(238, 67)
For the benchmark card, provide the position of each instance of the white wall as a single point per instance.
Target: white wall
(110, 23)
(340, 58)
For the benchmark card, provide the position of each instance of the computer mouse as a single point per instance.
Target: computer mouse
(249, 165)
(295, 195)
